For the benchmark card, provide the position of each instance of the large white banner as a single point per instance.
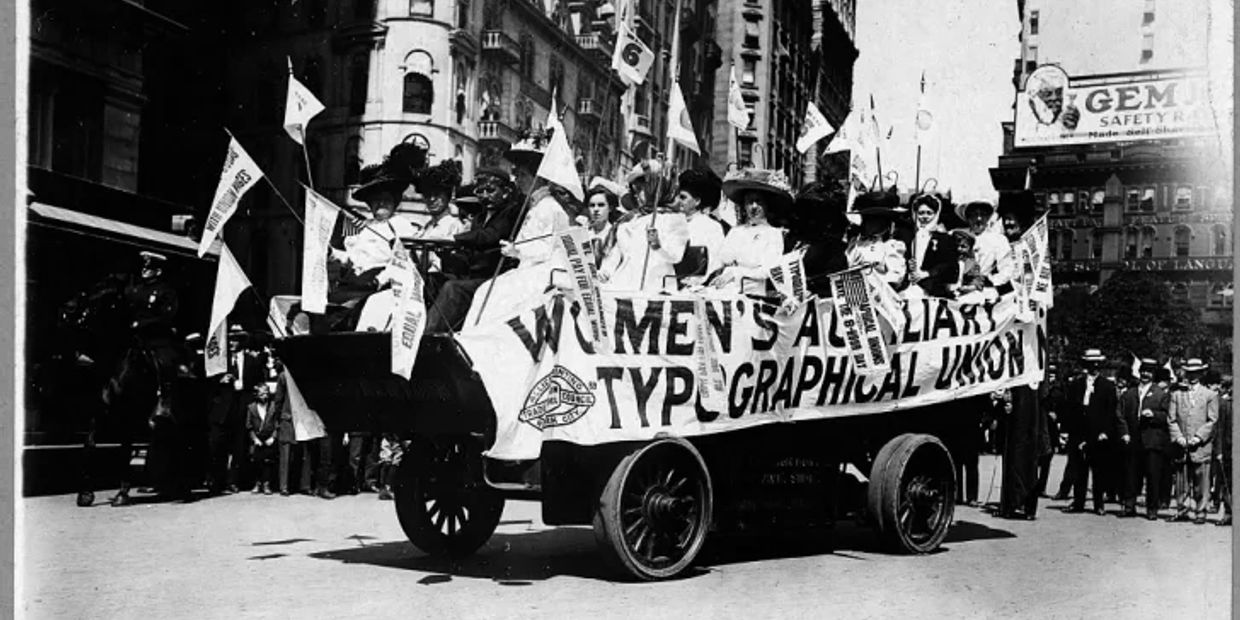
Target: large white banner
(548, 381)
(320, 219)
(1054, 109)
(240, 173)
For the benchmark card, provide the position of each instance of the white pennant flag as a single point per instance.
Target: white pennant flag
(553, 116)
(925, 120)
(631, 58)
(559, 167)
(240, 173)
(844, 138)
(320, 220)
(299, 108)
(738, 112)
(816, 127)
(410, 314)
(679, 125)
(230, 282)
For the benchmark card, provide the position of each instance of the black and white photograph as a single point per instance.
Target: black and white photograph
(623, 309)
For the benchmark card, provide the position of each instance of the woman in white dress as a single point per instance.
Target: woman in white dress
(754, 245)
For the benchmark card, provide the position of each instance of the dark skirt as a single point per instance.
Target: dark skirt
(1027, 439)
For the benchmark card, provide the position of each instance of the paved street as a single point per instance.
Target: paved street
(258, 556)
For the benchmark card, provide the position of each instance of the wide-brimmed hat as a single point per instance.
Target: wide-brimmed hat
(771, 183)
(1093, 355)
(528, 151)
(962, 210)
(440, 178)
(1194, 364)
(822, 204)
(878, 204)
(1019, 204)
(399, 169)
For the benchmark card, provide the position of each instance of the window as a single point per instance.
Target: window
(462, 13)
(1147, 200)
(1052, 243)
(1183, 198)
(527, 56)
(1222, 295)
(1095, 244)
(1052, 203)
(1132, 242)
(352, 160)
(1066, 239)
(1097, 200)
(1179, 293)
(419, 93)
(555, 79)
(364, 9)
(421, 7)
(1147, 241)
(1147, 47)
(1183, 237)
(1218, 235)
(753, 34)
(745, 152)
(359, 74)
(749, 71)
(1067, 202)
(1132, 199)
(1033, 55)
(1033, 22)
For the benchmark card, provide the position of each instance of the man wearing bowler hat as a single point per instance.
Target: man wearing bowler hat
(1192, 415)
(1093, 409)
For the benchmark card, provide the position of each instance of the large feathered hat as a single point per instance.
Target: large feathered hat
(399, 169)
(821, 205)
(440, 178)
(530, 148)
(703, 183)
(1020, 204)
(771, 183)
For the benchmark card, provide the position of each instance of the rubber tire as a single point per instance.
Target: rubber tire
(884, 493)
(485, 506)
(607, 516)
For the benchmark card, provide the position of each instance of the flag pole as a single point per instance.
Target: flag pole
(272, 184)
(917, 174)
(674, 66)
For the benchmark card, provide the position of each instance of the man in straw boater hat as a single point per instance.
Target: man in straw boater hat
(491, 222)
(545, 213)
(764, 204)
(1192, 414)
(1145, 434)
(1091, 415)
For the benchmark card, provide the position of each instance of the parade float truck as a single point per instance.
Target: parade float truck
(659, 418)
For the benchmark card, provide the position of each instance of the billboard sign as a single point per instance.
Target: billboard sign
(1055, 109)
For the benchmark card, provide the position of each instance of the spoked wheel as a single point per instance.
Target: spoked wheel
(442, 502)
(912, 491)
(655, 511)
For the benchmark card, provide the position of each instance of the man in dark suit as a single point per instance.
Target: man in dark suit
(1145, 435)
(1093, 406)
(475, 263)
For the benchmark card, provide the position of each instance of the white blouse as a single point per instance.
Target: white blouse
(751, 251)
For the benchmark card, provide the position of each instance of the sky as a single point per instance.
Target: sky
(967, 49)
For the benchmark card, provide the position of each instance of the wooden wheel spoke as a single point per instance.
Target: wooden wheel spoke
(641, 539)
(675, 486)
(439, 521)
(452, 524)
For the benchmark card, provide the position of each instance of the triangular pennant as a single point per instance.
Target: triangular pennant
(300, 106)
(816, 127)
(738, 112)
(240, 173)
(679, 125)
(559, 167)
(230, 282)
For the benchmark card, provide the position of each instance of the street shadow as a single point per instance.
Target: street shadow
(286, 541)
(968, 531)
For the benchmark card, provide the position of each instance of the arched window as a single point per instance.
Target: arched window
(419, 93)
(1095, 244)
(1147, 241)
(352, 160)
(1067, 203)
(1183, 237)
(1132, 242)
(1219, 237)
(359, 75)
(462, 13)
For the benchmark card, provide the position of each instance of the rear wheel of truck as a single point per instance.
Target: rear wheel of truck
(443, 504)
(912, 493)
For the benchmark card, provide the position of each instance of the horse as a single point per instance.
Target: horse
(133, 402)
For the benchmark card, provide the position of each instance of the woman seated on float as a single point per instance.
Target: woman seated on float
(755, 244)
(874, 245)
(991, 250)
(933, 264)
(648, 245)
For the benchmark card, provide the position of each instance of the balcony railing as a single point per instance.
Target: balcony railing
(595, 45)
(499, 43)
(496, 132)
(588, 108)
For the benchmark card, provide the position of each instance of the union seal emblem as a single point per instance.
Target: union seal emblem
(558, 399)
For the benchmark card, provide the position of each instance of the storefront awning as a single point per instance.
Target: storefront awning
(95, 226)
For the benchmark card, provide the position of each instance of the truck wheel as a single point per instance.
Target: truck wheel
(442, 502)
(654, 513)
(912, 493)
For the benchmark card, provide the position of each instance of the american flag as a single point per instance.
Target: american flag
(353, 224)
